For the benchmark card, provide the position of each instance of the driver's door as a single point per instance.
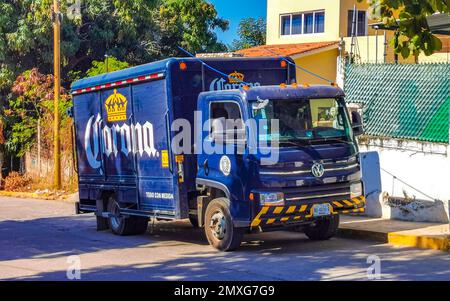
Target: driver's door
(221, 161)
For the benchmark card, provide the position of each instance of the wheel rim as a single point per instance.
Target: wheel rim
(218, 225)
(115, 218)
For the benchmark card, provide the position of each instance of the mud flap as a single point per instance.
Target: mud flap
(102, 222)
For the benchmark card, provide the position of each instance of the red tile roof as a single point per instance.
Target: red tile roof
(284, 50)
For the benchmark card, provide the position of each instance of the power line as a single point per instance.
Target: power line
(403, 182)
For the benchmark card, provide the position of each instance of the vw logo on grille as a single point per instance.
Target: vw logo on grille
(317, 170)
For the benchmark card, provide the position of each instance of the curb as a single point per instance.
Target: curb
(438, 242)
(362, 235)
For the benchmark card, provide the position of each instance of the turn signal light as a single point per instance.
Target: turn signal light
(294, 85)
(283, 64)
(306, 85)
(183, 66)
(283, 86)
(251, 197)
(246, 88)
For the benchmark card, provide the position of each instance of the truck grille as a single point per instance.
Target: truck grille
(317, 194)
(304, 169)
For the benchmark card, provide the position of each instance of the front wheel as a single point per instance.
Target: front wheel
(219, 228)
(323, 229)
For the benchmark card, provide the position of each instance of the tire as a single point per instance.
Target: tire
(324, 229)
(194, 220)
(123, 226)
(219, 229)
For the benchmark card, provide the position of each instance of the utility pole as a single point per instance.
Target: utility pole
(57, 83)
(106, 63)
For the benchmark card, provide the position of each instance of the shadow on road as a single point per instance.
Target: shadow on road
(176, 251)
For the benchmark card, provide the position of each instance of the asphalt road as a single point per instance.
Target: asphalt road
(39, 239)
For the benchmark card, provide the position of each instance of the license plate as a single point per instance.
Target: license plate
(321, 210)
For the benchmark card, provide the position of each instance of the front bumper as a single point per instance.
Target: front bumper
(285, 215)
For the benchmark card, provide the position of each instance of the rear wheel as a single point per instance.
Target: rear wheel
(219, 228)
(323, 229)
(121, 225)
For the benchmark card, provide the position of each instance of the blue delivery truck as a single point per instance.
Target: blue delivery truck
(298, 172)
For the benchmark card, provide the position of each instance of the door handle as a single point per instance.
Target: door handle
(206, 167)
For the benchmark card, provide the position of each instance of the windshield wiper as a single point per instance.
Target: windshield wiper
(298, 143)
(330, 139)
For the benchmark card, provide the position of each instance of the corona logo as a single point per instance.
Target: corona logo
(116, 107)
(117, 139)
(236, 78)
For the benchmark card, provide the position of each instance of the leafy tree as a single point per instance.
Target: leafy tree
(252, 32)
(135, 31)
(189, 24)
(413, 34)
(33, 102)
(110, 64)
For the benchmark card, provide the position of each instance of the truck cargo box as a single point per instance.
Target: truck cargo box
(123, 135)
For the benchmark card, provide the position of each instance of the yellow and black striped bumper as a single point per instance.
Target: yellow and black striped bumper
(272, 216)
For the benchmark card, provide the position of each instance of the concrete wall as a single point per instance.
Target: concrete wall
(423, 166)
(365, 48)
(276, 8)
(41, 168)
(435, 58)
(336, 15)
(322, 63)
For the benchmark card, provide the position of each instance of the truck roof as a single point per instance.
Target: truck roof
(112, 77)
(284, 92)
(155, 69)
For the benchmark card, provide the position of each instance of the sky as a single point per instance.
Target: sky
(236, 10)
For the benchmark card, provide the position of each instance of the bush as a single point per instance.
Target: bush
(15, 181)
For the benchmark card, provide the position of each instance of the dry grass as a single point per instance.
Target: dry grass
(24, 183)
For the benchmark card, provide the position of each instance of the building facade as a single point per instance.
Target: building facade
(301, 28)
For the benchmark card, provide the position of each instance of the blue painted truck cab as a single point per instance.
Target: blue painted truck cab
(291, 174)
(253, 176)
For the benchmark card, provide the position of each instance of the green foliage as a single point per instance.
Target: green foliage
(132, 31)
(110, 64)
(32, 101)
(252, 32)
(413, 34)
(135, 31)
(189, 24)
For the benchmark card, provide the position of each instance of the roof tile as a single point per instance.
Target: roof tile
(285, 49)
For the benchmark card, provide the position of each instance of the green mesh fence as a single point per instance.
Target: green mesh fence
(402, 101)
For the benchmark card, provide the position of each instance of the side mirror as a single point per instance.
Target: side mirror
(357, 125)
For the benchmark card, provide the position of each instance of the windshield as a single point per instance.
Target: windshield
(312, 121)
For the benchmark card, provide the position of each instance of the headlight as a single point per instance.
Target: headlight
(356, 190)
(271, 199)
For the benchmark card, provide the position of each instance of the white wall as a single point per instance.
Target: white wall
(366, 48)
(426, 167)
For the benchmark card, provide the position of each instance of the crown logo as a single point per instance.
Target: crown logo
(236, 78)
(116, 107)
